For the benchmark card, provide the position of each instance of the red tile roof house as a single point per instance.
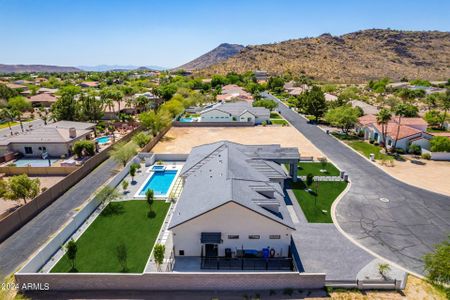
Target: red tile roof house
(231, 92)
(412, 131)
(89, 84)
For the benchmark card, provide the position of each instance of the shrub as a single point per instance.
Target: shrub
(426, 156)
(264, 123)
(309, 179)
(376, 144)
(400, 151)
(371, 141)
(141, 139)
(440, 144)
(82, 148)
(415, 149)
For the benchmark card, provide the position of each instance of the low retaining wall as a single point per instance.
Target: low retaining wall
(213, 124)
(25, 213)
(175, 281)
(34, 171)
(437, 155)
(155, 140)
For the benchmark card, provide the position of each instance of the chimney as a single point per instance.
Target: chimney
(72, 133)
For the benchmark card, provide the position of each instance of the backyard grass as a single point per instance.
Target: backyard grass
(328, 191)
(366, 148)
(128, 222)
(5, 125)
(304, 168)
(279, 122)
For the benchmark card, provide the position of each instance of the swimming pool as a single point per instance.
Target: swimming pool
(159, 182)
(33, 162)
(103, 139)
(186, 120)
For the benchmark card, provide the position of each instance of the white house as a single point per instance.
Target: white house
(235, 112)
(232, 203)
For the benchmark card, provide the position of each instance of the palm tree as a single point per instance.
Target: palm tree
(8, 114)
(400, 110)
(383, 119)
(445, 103)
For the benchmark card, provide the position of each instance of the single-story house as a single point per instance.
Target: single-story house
(43, 99)
(367, 108)
(232, 203)
(261, 76)
(235, 112)
(55, 139)
(232, 92)
(112, 112)
(411, 131)
(47, 90)
(294, 90)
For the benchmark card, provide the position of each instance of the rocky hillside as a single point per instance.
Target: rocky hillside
(353, 57)
(35, 69)
(217, 55)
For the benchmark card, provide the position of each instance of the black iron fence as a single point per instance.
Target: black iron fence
(225, 263)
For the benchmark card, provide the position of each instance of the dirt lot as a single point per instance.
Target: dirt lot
(181, 140)
(431, 175)
(46, 181)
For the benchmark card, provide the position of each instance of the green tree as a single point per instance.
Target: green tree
(18, 105)
(149, 196)
(174, 107)
(6, 92)
(383, 118)
(313, 102)
(266, 103)
(445, 105)
(440, 144)
(91, 109)
(132, 171)
(276, 84)
(158, 254)
(22, 187)
(344, 117)
(66, 107)
(122, 256)
(122, 152)
(155, 121)
(434, 118)
(45, 114)
(84, 148)
(400, 111)
(71, 251)
(9, 115)
(383, 269)
(141, 139)
(125, 185)
(437, 264)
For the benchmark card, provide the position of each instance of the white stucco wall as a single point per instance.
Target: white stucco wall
(246, 117)
(54, 150)
(215, 116)
(232, 219)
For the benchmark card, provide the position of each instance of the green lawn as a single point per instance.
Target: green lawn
(5, 125)
(128, 223)
(304, 168)
(366, 148)
(328, 191)
(274, 115)
(279, 122)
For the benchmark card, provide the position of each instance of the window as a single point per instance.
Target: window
(181, 252)
(28, 150)
(274, 236)
(233, 236)
(254, 237)
(389, 142)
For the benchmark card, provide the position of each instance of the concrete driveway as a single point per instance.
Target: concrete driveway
(401, 230)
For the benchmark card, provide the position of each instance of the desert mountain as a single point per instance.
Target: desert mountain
(217, 55)
(353, 57)
(36, 69)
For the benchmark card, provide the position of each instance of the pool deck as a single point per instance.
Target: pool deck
(140, 179)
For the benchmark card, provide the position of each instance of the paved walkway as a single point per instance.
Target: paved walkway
(401, 230)
(17, 248)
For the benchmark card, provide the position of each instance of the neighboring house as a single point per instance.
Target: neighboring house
(56, 139)
(235, 112)
(88, 84)
(16, 86)
(261, 76)
(330, 97)
(232, 203)
(294, 90)
(233, 92)
(47, 91)
(367, 108)
(43, 99)
(412, 131)
(153, 100)
(112, 112)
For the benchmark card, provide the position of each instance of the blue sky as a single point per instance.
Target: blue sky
(170, 33)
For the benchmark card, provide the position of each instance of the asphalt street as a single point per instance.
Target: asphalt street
(401, 230)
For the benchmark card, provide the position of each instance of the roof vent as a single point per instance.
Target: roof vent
(72, 133)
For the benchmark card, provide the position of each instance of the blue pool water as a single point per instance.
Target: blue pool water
(34, 162)
(159, 182)
(186, 120)
(102, 140)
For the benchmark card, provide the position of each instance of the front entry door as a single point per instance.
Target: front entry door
(211, 250)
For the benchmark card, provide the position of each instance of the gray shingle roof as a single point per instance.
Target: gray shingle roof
(221, 172)
(238, 108)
